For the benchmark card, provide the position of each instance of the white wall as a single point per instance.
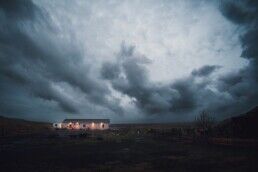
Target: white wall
(57, 125)
(91, 126)
(97, 126)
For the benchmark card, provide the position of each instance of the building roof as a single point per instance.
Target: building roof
(87, 120)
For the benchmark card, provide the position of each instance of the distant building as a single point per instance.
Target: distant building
(83, 124)
(57, 125)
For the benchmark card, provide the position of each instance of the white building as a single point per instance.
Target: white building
(57, 125)
(83, 124)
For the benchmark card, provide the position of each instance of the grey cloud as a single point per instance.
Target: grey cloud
(249, 38)
(242, 85)
(151, 98)
(185, 95)
(19, 9)
(33, 63)
(228, 81)
(20, 54)
(37, 63)
(110, 71)
(205, 70)
(236, 11)
(48, 93)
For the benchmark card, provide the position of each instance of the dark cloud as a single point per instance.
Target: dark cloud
(186, 95)
(110, 71)
(40, 64)
(18, 9)
(228, 95)
(242, 85)
(22, 60)
(249, 39)
(131, 79)
(236, 12)
(40, 74)
(205, 70)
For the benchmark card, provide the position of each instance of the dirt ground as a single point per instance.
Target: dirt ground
(116, 152)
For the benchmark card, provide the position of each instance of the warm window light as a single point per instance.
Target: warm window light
(77, 125)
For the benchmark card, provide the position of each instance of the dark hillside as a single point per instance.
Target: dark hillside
(242, 126)
(16, 127)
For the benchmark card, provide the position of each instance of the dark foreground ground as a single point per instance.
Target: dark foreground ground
(114, 151)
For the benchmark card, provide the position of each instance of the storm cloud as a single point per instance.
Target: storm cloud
(205, 70)
(110, 59)
(242, 85)
(129, 76)
(39, 65)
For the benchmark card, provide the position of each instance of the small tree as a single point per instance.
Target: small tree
(204, 122)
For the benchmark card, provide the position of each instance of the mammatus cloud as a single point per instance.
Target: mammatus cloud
(46, 74)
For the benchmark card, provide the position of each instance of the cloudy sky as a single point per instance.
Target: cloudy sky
(130, 61)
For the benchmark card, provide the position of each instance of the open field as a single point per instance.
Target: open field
(28, 146)
(122, 150)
